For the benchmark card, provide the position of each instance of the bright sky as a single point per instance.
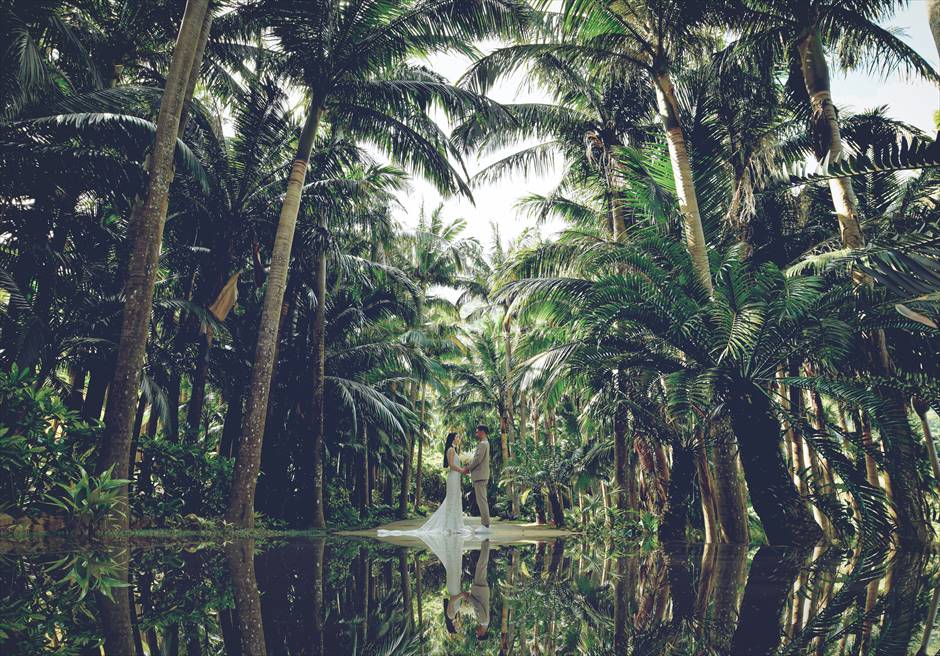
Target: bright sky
(911, 100)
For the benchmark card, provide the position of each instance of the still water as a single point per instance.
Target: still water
(341, 596)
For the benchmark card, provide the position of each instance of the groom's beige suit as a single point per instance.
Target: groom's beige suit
(480, 475)
(480, 590)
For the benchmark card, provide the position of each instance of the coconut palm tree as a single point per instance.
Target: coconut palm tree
(655, 38)
(434, 255)
(147, 231)
(350, 61)
(797, 33)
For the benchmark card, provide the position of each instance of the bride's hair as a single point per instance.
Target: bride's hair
(449, 442)
(449, 623)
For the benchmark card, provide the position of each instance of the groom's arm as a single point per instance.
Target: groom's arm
(478, 456)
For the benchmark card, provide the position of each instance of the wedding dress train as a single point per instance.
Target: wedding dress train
(446, 520)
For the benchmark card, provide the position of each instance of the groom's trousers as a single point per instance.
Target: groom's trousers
(479, 489)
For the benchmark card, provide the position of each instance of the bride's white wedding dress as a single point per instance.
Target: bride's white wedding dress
(448, 518)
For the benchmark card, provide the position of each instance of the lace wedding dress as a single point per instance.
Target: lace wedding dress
(447, 519)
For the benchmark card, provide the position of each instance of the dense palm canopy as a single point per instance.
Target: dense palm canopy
(731, 338)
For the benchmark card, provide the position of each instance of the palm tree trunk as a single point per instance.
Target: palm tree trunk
(75, 397)
(706, 483)
(554, 499)
(621, 460)
(507, 403)
(406, 477)
(230, 426)
(933, 17)
(248, 460)
(387, 495)
(674, 521)
(920, 408)
(829, 136)
(418, 461)
(782, 511)
(901, 449)
(95, 395)
(197, 397)
(730, 497)
(148, 238)
(240, 558)
(319, 373)
(682, 172)
(363, 471)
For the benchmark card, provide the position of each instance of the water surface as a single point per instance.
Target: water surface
(359, 596)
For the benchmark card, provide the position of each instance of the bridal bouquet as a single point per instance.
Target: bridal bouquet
(464, 458)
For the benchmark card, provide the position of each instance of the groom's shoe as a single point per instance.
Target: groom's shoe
(483, 529)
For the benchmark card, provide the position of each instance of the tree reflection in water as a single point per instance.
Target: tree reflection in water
(332, 596)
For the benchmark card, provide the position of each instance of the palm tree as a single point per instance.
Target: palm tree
(797, 33)
(434, 255)
(350, 61)
(481, 386)
(655, 38)
(147, 231)
(654, 318)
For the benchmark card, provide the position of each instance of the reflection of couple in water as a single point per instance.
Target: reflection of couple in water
(478, 596)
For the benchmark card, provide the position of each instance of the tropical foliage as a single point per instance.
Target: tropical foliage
(731, 338)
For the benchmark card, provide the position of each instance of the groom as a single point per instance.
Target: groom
(479, 470)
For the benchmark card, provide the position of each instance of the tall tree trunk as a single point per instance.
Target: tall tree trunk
(230, 426)
(508, 403)
(248, 460)
(197, 397)
(419, 474)
(730, 496)
(362, 478)
(148, 238)
(97, 387)
(901, 449)
(921, 408)
(319, 386)
(387, 492)
(674, 522)
(828, 135)
(933, 17)
(132, 456)
(782, 510)
(75, 397)
(406, 477)
(240, 557)
(174, 391)
(145, 483)
(706, 485)
(558, 513)
(621, 460)
(682, 172)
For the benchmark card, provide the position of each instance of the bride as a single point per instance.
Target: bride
(448, 518)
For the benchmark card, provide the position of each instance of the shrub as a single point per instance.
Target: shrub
(42, 442)
(183, 479)
(88, 499)
(339, 508)
(433, 485)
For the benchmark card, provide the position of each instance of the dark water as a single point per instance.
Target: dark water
(367, 597)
